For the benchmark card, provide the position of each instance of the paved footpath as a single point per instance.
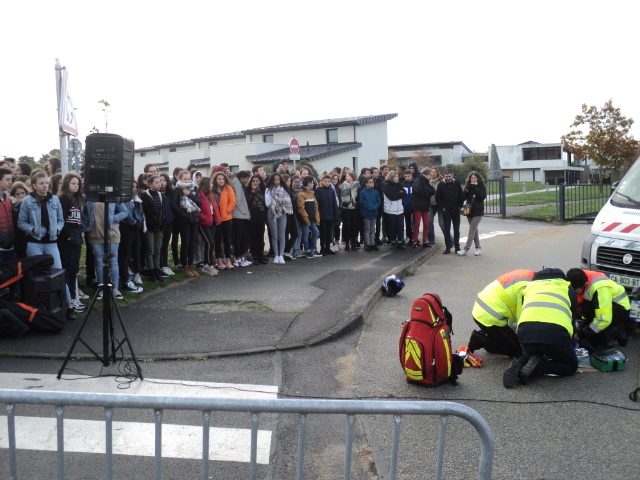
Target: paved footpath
(257, 309)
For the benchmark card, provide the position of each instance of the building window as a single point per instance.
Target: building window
(143, 154)
(542, 153)
(332, 135)
(267, 138)
(172, 149)
(436, 159)
(213, 144)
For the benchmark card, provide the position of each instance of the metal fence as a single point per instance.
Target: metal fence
(580, 202)
(496, 201)
(302, 407)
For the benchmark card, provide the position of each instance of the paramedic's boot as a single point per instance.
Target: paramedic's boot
(621, 336)
(532, 368)
(477, 341)
(510, 375)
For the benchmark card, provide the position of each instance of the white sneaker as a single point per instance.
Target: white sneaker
(236, 263)
(478, 252)
(78, 306)
(117, 294)
(245, 263)
(213, 271)
(137, 279)
(168, 271)
(462, 253)
(133, 288)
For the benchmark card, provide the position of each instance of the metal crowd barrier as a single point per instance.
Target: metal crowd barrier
(302, 407)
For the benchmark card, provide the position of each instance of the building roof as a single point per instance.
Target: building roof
(532, 143)
(327, 123)
(165, 145)
(310, 153)
(179, 143)
(221, 136)
(331, 122)
(426, 146)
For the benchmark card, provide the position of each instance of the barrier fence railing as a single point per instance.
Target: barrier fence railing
(580, 202)
(254, 408)
(496, 203)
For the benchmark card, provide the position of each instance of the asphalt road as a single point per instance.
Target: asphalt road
(553, 428)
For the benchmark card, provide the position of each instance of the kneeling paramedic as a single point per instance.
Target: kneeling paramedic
(544, 329)
(495, 313)
(604, 306)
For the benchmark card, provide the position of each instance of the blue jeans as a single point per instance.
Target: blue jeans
(433, 213)
(98, 252)
(310, 244)
(48, 249)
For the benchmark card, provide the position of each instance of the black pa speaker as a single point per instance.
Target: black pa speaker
(46, 291)
(108, 168)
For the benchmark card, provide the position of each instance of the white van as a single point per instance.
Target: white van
(613, 246)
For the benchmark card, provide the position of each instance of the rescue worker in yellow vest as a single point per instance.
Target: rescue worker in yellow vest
(604, 306)
(545, 329)
(495, 313)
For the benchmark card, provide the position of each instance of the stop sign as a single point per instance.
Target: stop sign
(294, 146)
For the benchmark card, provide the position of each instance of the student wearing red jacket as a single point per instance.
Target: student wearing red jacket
(209, 220)
(7, 230)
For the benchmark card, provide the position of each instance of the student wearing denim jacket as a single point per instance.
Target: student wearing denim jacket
(41, 219)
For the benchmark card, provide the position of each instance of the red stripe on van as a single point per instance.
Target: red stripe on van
(630, 228)
(611, 226)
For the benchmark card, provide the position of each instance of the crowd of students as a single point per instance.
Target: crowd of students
(218, 222)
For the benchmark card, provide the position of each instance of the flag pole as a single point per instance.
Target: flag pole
(64, 137)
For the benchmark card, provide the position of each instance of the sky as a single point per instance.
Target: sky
(480, 72)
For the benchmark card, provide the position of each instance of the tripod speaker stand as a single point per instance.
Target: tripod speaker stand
(110, 345)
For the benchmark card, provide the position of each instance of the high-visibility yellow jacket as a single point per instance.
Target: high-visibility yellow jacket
(496, 304)
(609, 292)
(547, 301)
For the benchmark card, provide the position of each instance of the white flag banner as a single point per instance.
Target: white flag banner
(66, 113)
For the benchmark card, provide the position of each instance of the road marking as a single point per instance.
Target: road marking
(137, 438)
(484, 236)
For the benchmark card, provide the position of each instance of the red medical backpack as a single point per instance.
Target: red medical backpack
(425, 349)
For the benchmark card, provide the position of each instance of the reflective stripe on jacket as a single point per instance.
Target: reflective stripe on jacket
(547, 301)
(609, 292)
(496, 304)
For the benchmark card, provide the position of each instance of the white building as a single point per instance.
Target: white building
(344, 142)
(538, 162)
(443, 153)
